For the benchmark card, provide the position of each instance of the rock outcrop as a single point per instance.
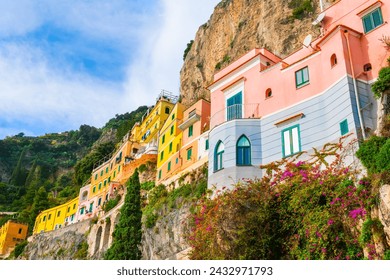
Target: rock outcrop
(235, 27)
(384, 210)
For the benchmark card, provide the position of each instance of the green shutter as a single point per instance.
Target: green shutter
(189, 154)
(190, 130)
(170, 147)
(159, 174)
(344, 127)
(302, 77)
(207, 144)
(169, 166)
(172, 129)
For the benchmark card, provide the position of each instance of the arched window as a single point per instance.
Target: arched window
(218, 156)
(268, 93)
(243, 151)
(333, 60)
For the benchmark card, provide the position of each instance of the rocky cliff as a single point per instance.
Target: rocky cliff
(237, 26)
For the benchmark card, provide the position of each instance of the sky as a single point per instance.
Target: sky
(65, 63)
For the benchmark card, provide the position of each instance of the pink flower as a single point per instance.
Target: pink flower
(357, 212)
(330, 222)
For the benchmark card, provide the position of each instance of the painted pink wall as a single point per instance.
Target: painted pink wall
(365, 49)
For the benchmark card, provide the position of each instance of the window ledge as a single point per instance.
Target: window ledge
(379, 26)
(215, 171)
(303, 85)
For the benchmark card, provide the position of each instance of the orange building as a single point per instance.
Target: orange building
(196, 120)
(11, 234)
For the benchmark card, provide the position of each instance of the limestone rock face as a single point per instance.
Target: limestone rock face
(166, 239)
(235, 27)
(384, 209)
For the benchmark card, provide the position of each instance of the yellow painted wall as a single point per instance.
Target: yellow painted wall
(154, 121)
(109, 171)
(11, 233)
(48, 220)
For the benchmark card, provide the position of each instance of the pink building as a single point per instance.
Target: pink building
(264, 108)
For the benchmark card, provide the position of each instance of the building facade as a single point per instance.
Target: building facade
(56, 217)
(265, 108)
(11, 233)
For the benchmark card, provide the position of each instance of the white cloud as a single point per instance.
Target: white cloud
(36, 92)
(161, 54)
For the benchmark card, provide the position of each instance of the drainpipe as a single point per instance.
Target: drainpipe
(346, 34)
(321, 5)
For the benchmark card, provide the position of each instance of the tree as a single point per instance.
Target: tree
(128, 232)
(41, 202)
(19, 174)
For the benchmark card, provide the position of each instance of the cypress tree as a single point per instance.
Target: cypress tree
(19, 173)
(128, 232)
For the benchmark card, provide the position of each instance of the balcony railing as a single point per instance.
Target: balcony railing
(234, 112)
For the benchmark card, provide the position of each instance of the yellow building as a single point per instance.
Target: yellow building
(11, 233)
(56, 217)
(154, 119)
(169, 144)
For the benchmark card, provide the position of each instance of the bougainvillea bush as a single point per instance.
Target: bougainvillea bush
(301, 209)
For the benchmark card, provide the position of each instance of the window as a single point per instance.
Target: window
(206, 144)
(49, 217)
(162, 155)
(177, 160)
(74, 206)
(167, 110)
(189, 154)
(169, 166)
(243, 151)
(106, 197)
(96, 175)
(109, 179)
(94, 189)
(20, 231)
(91, 207)
(100, 185)
(119, 168)
(44, 218)
(344, 127)
(333, 60)
(101, 173)
(173, 116)
(59, 213)
(234, 107)
(82, 211)
(107, 169)
(268, 93)
(114, 173)
(68, 209)
(170, 147)
(159, 174)
(372, 20)
(291, 141)
(302, 77)
(163, 139)
(190, 131)
(99, 201)
(218, 156)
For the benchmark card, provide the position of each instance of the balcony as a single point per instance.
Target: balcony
(193, 117)
(234, 112)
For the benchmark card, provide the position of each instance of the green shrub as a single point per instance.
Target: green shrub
(188, 48)
(387, 255)
(111, 203)
(147, 186)
(369, 151)
(156, 193)
(82, 251)
(150, 220)
(20, 248)
(383, 158)
(142, 168)
(383, 83)
(301, 8)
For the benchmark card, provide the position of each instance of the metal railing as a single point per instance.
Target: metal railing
(234, 112)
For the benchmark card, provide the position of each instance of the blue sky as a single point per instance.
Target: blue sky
(67, 63)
